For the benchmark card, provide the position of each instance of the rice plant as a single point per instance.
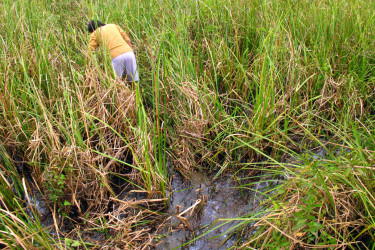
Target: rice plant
(249, 87)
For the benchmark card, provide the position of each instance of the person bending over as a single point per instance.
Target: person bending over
(118, 44)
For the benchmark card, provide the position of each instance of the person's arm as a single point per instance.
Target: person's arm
(93, 44)
(125, 36)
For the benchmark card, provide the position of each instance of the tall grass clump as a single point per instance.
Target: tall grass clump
(247, 87)
(83, 136)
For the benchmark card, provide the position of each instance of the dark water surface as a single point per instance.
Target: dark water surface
(222, 198)
(212, 199)
(197, 207)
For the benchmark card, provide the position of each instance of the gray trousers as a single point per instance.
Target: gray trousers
(125, 66)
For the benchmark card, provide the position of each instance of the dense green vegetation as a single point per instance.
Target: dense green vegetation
(235, 86)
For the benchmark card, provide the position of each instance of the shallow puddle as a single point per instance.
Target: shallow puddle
(38, 206)
(200, 209)
(196, 205)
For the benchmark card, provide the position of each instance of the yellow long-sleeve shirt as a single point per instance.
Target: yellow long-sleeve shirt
(111, 36)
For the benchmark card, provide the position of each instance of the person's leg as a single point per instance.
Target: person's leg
(118, 64)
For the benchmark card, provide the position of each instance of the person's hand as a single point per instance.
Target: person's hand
(130, 44)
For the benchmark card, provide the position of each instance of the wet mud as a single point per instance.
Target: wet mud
(199, 210)
(37, 206)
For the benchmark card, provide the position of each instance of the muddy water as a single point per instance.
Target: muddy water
(207, 200)
(210, 200)
(198, 206)
(38, 206)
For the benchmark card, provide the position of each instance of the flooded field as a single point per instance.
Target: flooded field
(202, 210)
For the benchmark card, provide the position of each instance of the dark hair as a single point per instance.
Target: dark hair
(93, 25)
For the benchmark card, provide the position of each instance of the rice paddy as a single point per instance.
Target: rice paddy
(240, 92)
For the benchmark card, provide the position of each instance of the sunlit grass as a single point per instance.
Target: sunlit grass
(236, 86)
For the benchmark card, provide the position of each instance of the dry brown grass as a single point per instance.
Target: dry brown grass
(192, 114)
